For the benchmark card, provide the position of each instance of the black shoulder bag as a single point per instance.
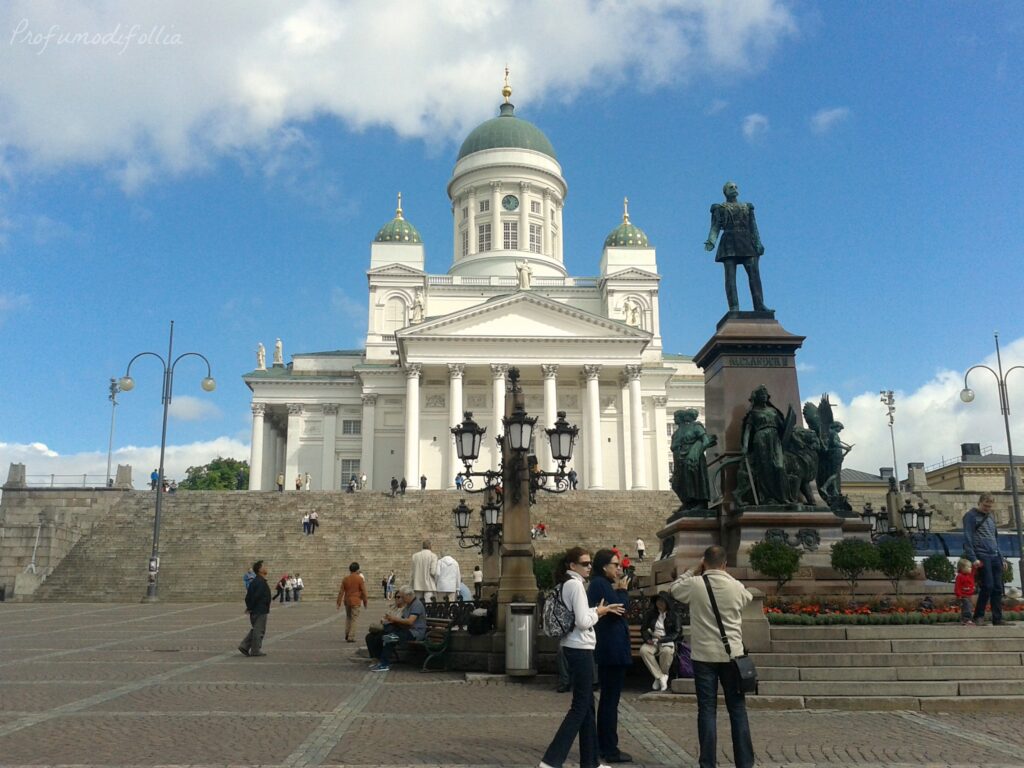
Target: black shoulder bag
(746, 672)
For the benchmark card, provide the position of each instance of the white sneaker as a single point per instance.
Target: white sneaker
(664, 682)
(657, 684)
(545, 765)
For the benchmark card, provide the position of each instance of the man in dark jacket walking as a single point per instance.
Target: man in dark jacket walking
(257, 605)
(981, 547)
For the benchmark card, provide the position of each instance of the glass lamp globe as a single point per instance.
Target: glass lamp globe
(208, 384)
(461, 514)
(126, 383)
(967, 395)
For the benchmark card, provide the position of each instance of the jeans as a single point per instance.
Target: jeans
(580, 717)
(966, 608)
(388, 641)
(611, 679)
(990, 586)
(253, 641)
(706, 678)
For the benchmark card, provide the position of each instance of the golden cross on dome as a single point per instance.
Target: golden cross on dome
(398, 212)
(506, 90)
(625, 210)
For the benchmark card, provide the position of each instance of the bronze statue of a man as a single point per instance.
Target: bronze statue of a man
(740, 244)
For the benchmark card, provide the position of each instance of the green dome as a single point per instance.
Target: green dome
(398, 230)
(506, 130)
(627, 235)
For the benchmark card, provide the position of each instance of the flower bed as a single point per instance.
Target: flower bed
(880, 611)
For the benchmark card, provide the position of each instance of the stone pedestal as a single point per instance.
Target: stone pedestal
(747, 350)
(813, 529)
(691, 536)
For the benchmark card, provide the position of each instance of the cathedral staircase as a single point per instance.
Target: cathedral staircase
(928, 668)
(209, 539)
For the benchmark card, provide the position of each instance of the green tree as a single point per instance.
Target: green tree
(896, 559)
(938, 568)
(219, 475)
(775, 560)
(544, 570)
(851, 558)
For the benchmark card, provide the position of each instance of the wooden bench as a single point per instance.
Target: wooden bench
(435, 642)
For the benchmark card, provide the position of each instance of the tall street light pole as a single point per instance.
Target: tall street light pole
(889, 400)
(127, 383)
(114, 389)
(967, 395)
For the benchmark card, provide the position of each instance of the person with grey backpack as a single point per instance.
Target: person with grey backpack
(577, 642)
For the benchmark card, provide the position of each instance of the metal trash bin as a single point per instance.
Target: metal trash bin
(521, 640)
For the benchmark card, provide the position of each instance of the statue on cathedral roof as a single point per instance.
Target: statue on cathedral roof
(525, 273)
(261, 357)
(278, 353)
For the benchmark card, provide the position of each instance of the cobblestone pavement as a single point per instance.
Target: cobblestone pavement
(162, 685)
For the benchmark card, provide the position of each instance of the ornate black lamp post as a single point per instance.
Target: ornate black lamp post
(518, 485)
(127, 384)
(916, 522)
(967, 395)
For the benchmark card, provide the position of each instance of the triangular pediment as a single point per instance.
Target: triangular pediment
(396, 270)
(522, 315)
(632, 274)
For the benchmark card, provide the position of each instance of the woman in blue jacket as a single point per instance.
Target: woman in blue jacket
(612, 653)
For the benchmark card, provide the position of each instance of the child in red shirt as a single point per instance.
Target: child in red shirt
(963, 588)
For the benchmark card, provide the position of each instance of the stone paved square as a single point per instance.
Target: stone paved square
(163, 685)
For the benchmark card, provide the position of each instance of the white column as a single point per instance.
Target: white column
(368, 431)
(661, 479)
(636, 428)
(496, 233)
(622, 423)
(546, 208)
(524, 216)
(456, 242)
(557, 240)
(412, 424)
(292, 450)
(269, 455)
(498, 373)
(455, 372)
(595, 468)
(472, 222)
(550, 372)
(256, 449)
(281, 453)
(327, 481)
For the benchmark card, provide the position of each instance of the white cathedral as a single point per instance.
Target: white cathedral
(439, 345)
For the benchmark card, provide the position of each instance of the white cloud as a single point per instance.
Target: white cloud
(932, 422)
(755, 125)
(41, 462)
(824, 120)
(188, 408)
(217, 78)
(716, 106)
(12, 302)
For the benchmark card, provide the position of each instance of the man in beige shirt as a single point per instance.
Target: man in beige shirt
(711, 663)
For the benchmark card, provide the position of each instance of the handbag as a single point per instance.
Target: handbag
(684, 661)
(743, 666)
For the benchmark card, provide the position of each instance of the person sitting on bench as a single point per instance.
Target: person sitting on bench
(411, 624)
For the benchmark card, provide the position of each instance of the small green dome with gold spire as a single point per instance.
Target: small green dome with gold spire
(398, 230)
(626, 235)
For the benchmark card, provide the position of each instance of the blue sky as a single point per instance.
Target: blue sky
(230, 171)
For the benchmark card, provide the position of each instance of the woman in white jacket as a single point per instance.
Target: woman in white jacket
(578, 647)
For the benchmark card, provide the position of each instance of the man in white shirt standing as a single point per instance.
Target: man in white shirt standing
(640, 547)
(711, 663)
(424, 572)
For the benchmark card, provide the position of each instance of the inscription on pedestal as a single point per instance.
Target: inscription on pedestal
(759, 361)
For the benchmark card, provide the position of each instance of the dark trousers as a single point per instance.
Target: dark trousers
(990, 587)
(253, 641)
(611, 679)
(753, 277)
(706, 678)
(381, 645)
(580, 718)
